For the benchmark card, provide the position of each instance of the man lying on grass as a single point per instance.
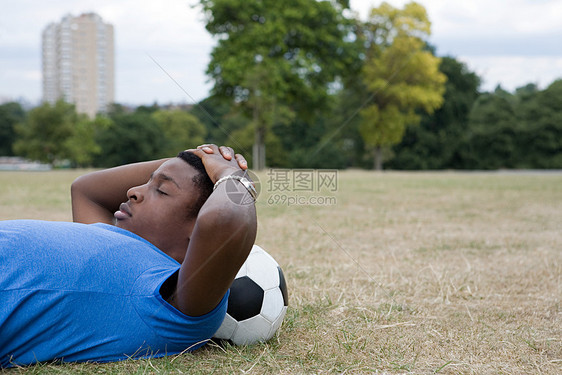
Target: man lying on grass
(143, 271)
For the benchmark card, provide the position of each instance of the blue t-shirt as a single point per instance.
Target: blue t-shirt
(80, 292)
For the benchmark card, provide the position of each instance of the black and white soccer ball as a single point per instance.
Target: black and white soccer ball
(257, 303)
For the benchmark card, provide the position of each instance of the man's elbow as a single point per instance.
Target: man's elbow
(77, 185)
(77, 189)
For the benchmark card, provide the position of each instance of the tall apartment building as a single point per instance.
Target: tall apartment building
(78, 63)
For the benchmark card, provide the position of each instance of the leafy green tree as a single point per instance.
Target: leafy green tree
(302, 148)
(493, 108)
(129, 138)
(213, 112)
(490, 140)
(181, 130)
(10, 114)
(526, 104)
(491, 148)
(540, 145)
(434, 144)
(275, 59)
(82, 144)
(148, 108)
(55, 133)
(244, 138)
(521, 130)
(224, 125)
(550, 98)
(402, 76)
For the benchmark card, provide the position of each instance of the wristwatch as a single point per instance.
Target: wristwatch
(243, 180)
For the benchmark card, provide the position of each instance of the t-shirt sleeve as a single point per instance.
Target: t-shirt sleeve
(167, 322)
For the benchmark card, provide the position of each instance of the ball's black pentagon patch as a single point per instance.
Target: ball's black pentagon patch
(283, 287)
(245, 300)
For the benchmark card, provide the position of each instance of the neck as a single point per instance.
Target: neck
(177, 252)
(176, 249)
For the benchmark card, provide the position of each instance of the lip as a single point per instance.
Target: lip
(124, 212)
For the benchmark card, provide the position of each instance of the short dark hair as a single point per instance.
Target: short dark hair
(202, 181)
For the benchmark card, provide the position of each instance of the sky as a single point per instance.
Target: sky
(162, 48)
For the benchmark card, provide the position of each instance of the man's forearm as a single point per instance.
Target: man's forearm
(95, 196)
(222, 239)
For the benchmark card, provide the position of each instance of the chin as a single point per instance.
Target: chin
(123, 225)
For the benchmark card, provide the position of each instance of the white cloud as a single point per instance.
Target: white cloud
(507, 70)
(509, 42)
(483, 17)
(171, 31)
(513, 42)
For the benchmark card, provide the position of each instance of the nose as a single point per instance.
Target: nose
(136, 193)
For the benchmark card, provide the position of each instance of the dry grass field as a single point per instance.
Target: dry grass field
(452, 273)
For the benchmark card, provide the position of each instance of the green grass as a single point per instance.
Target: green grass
(449, 273)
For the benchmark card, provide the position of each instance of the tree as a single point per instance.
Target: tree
(490, 139)
(493, 108)
(181, 130)
(540, 144)
(435, 142)
(212, 113)
(401, 74)
(81, 145)
(521, 130)
(129, 138)
(56, 133)
(276, 59)
(10, 114)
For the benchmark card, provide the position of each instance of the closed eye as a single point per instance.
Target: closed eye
(161, 192)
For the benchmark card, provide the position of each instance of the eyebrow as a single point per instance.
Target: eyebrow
(165, 177)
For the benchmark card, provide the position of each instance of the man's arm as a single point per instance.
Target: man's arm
(221, 240)
(222, 237)
(97, 195)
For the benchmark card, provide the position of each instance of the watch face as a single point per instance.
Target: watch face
(240, 188)
(248, 184)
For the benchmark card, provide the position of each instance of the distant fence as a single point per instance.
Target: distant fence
(14, 163)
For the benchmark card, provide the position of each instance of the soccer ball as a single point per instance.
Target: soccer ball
(258, 301)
